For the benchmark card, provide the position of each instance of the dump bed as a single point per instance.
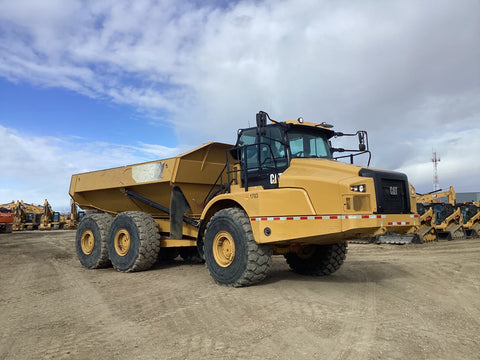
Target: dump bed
(194, 172)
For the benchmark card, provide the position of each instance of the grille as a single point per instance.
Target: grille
(393, 197)
(391, 191)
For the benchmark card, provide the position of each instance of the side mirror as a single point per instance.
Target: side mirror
(261, 122)
(361, 141)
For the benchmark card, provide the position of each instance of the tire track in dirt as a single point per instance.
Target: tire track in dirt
(385, 302)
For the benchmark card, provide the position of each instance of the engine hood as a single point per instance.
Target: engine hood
(325, 181)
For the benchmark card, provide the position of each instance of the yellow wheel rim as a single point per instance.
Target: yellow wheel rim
(122, 242)
(223, 249)
(87, 242)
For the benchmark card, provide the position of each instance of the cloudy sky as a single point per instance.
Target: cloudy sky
(88, 85)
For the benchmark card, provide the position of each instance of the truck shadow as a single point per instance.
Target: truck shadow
(350, 272)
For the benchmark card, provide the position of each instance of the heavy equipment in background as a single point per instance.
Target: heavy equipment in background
(51, 219)
(74, 217)
(471, 218)
(17, 219)
(446, 219)
(33, 216)
(19, 216)
(426, 230)
(6, 220)
(437, 195)
(26, 216)
(279, 191)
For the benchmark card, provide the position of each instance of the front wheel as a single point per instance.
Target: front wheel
(317, 260)
(232, 256)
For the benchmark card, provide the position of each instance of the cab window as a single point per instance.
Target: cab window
(308, 145)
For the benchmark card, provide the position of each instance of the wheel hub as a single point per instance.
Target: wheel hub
(122, 242)
(223, 249)
(87, 242)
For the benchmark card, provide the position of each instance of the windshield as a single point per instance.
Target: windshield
(305, 143)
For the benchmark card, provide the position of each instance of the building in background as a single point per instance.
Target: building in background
(468, 197)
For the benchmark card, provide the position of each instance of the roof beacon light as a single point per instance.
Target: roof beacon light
(300, 120)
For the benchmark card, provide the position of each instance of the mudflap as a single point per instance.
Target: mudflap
(398, 239)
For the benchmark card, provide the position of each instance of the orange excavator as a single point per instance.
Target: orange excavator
(6, 219)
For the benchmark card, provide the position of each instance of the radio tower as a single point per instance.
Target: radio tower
(435, 161)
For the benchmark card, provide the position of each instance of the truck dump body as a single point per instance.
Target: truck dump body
(195, 172)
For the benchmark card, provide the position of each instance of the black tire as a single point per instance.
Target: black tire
(318, 260)
(133, 241)
(91, 241)
(232, 256)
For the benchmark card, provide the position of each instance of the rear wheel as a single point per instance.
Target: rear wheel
(133, 241)
(232, 256)
(91, 241)
(317, 260)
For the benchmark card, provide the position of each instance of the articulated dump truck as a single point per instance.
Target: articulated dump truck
(278, 191)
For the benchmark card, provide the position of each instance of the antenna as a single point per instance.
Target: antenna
(435, 160)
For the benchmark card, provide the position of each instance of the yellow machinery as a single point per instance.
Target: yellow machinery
(471, 218)
(19, 212)
(426, 230)
(25, 216)
(446, 219)
(435, 196)
(74, 217)
(278, 191)
(51, 219)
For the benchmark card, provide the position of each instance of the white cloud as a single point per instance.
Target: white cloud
(406, 71)
(41, 167)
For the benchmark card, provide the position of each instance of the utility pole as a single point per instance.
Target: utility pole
(435, 160)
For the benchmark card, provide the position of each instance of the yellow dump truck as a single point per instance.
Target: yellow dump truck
(279, 191)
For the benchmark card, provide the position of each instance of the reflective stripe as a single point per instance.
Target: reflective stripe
(328, 217)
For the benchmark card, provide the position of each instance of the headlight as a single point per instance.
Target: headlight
(358, 188)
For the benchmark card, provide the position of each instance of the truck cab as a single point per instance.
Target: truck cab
(266, 151)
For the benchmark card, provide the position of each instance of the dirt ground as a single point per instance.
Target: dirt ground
(386, 302)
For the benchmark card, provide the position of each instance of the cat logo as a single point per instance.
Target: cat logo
(393, 190)
(273, 179)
